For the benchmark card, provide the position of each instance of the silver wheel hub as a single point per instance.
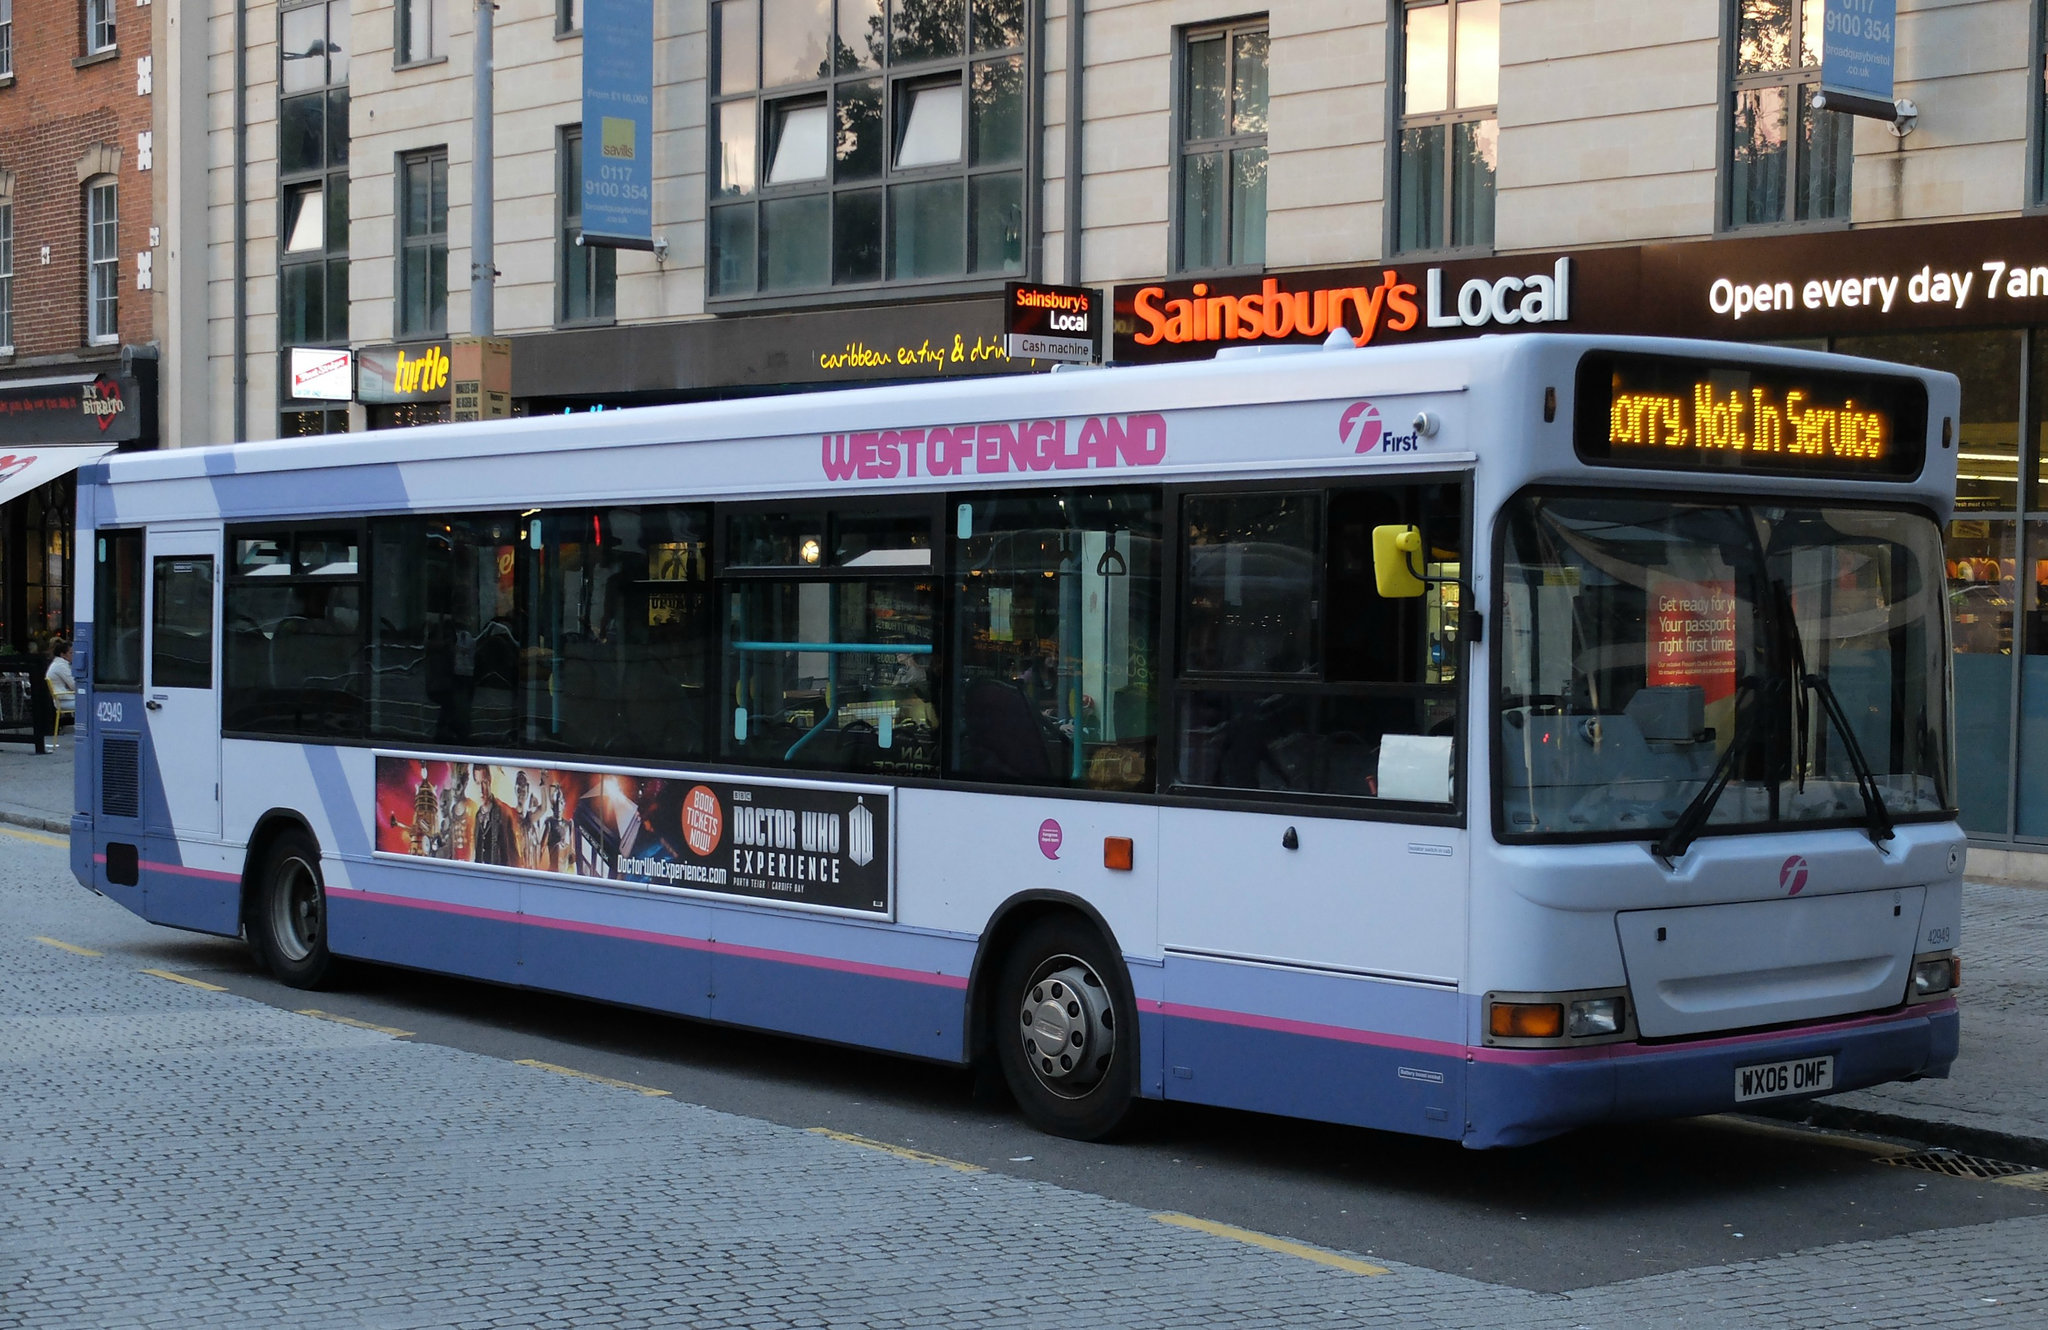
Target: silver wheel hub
(1068, 1027)
(296, 921)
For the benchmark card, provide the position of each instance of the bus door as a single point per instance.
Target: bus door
(181, 686)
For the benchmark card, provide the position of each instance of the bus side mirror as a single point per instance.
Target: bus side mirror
(1393, 561)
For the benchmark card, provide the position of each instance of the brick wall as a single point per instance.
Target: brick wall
(62, 110)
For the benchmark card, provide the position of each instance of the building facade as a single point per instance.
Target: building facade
(842, 187)
(78, 231)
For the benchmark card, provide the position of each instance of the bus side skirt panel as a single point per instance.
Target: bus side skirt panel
(441, 933)
(1278, 1040)
(191, 886)
(766, 971)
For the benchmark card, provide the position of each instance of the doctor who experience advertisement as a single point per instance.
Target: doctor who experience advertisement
(795, 845)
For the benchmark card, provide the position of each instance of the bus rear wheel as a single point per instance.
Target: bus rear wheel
(1066, 1033)
(288, 918)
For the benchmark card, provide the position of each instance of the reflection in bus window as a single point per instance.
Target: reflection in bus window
(181, 624)
(446, 637)
(1296, 675)
(117, 609)
(1056, 615)
(291, 646)
(621, 623)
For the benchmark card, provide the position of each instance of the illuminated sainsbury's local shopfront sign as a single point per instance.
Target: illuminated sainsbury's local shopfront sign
(1747, 288)
(1367, 304)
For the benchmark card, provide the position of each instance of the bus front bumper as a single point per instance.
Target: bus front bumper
(1516, 1097)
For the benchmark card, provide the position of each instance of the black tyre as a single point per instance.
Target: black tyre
(288, 913)
(1066, 1030)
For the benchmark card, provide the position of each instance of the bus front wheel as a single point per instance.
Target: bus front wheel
(1066, 1034)
(288, 919)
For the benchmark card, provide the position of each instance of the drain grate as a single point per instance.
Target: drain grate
(1957, 1165)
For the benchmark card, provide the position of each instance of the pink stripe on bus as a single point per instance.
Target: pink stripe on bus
(179, 870)
(1251, 1020)
(665, 939)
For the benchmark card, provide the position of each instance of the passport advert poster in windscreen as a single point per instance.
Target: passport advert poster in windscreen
(804, 845)
(1678, 413)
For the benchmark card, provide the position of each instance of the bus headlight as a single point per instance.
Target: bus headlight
(1558, 1020)
(1934, 975)
(1595, 1016)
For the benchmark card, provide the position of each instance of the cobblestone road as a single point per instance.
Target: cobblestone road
(176, 1156)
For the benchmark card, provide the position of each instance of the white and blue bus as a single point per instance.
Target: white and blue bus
(1478, 739)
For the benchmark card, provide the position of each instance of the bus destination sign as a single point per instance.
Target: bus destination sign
(1677, 413)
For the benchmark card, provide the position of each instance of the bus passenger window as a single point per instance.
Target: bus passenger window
(1295, 675)
(828, 642)
(292, 657)
(622, 627)
(1056, 619)
(117, 611)
(1250, 596)
(447, 636)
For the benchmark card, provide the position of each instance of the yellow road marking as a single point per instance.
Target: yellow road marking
(900, 1151)
(181, 979)
(66, 946)
(647, 1090)
(1271, 1243)
(61, 842)
(1809, 1136)
(2034, 1181)
(352, 1023)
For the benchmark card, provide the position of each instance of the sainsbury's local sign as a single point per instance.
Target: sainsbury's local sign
(1174, 320)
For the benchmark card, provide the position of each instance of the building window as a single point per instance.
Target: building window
(1223, 147)
(568, 16)
(1786, 161)
(1450, 130)
(863, 142)
(312, 160)
(2040, 75)
(422, 31)
(6, 39)
(99, 26)
(588, 278)
(423, 243)
(6, 276)
(103, 262)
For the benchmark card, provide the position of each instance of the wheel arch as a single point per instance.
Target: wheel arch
(1005, 925)
(274, 823)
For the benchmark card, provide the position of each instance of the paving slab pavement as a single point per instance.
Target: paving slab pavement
(180, 1156)
(1995, 1101)
(36, 791)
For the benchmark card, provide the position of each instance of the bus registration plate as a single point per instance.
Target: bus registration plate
(1768, 1080)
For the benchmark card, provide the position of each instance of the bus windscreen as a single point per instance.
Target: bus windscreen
(1680, 413)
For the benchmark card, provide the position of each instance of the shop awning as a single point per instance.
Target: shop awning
(25, 468)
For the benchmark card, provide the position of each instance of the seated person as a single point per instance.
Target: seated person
(63, 685)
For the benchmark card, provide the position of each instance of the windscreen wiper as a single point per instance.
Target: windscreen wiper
(1876, 815)
(1683, 832)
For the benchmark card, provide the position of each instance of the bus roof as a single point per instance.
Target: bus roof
(1458, 401)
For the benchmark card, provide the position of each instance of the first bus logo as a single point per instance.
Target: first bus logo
(1361, 427)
